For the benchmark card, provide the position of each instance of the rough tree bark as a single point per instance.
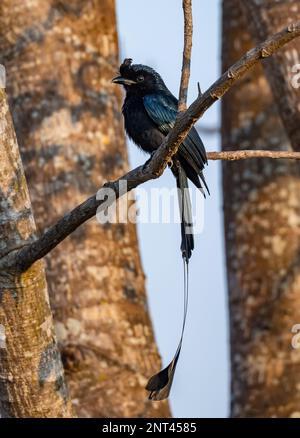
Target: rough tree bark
(60, 57)
(283, 69)
(262, 218)
(32, 380)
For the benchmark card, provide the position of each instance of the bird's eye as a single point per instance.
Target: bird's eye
(140, 78)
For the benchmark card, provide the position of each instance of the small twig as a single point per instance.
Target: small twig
(187, 53)
(29, 254)
(199, 89)
(245, 154)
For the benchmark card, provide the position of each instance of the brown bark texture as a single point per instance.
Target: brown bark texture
(32, 382)
(262, 219)
(265, 18)
(60, 57)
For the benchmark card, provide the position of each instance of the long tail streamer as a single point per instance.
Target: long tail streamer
(160, 384)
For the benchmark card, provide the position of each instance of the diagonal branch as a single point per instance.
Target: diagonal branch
(26, 256)
(196, 110)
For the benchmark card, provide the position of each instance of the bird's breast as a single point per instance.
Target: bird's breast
(139, 126)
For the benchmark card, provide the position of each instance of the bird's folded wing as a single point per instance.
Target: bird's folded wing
(162, 109)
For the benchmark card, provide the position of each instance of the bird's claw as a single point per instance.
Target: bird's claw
(170, 163)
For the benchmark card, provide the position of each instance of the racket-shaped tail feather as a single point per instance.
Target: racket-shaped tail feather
(160, 384)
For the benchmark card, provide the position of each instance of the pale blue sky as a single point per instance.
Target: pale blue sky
(150, 32)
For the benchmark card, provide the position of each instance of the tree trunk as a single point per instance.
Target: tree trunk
(61, 56)
(283, 69)
(262, 218)
(31, 374)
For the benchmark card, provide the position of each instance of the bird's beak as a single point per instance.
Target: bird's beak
(123, 81)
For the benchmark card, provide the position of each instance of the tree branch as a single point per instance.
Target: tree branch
(245, 154)
(187, 54)
(26, 256)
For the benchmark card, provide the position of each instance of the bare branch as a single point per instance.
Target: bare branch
(187, 53)
(68, 223)
(26, 256)
(245, 154)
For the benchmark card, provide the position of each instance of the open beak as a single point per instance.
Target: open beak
(123, 81)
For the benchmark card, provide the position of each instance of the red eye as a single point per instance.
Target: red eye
(140, 78)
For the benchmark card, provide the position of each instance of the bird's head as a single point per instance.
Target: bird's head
(138, 79)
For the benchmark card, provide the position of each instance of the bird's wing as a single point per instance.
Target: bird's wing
(162, 109)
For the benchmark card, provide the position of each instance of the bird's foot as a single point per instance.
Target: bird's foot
(170, 162)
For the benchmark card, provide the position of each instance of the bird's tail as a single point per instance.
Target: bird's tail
(160, 384)
(185, 209)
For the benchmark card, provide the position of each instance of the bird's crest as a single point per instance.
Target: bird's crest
(125, 66)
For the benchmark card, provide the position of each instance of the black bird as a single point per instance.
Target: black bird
(149, 111)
